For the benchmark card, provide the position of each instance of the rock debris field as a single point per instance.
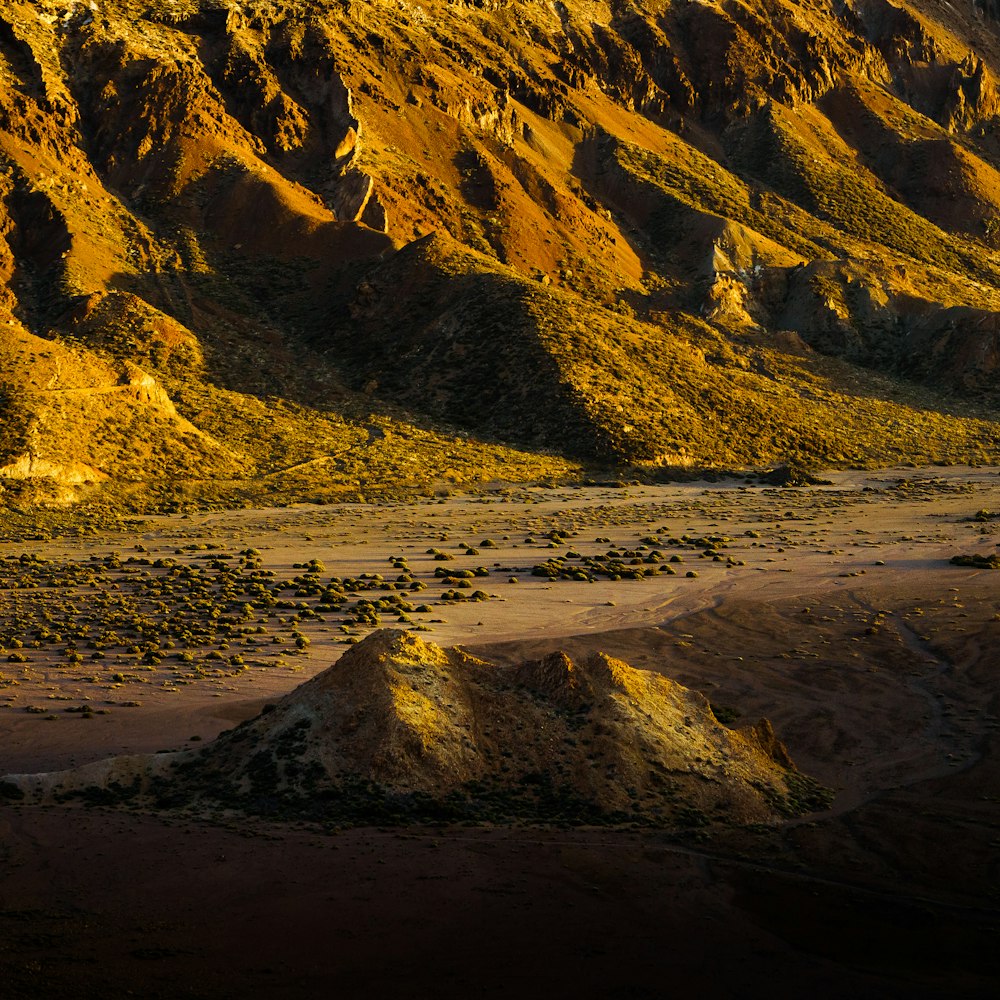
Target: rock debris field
(229, 605)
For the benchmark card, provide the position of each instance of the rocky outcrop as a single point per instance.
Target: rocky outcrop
(403, 728)
(29, 467)
(352, 194)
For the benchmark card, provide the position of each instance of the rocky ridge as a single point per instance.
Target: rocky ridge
(401, 729)
(512, 237)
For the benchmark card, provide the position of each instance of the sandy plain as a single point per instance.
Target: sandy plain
(833, 610)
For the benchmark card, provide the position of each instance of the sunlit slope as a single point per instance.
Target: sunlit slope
(654, 234)
(401, 730)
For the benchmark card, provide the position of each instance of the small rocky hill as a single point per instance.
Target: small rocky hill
(400, 729)
(284, 247)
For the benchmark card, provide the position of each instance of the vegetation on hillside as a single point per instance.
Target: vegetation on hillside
(278, 250)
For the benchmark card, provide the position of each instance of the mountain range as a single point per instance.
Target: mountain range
(303, 249)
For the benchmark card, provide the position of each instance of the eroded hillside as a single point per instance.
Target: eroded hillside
(403, 729)
(298, 249)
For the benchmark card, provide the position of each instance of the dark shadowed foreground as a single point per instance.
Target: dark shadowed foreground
(162, 910)
(890, 893)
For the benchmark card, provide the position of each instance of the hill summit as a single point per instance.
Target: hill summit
(400, 729)
(317, 248)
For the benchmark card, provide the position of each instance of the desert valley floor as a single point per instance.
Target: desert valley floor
(834, 610)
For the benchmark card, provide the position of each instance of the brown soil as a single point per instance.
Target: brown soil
(884, 689)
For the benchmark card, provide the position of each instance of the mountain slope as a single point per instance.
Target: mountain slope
(659, 233)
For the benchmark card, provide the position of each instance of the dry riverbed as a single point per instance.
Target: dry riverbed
(833, 610)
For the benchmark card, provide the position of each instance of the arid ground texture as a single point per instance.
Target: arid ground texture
(499, 498)
(835, 611)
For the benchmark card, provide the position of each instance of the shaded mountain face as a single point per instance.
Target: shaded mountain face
(298, 247)
(402, 729)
